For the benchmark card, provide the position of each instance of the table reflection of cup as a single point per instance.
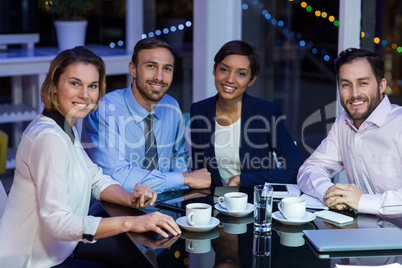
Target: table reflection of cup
(291, 239)
(198, 246)
(263, 196)
(234, 228)
(199, 242)
(292, 236)
(234, 225)
(261, 244)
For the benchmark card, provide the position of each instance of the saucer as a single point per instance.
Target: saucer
(182, 221)
(224, 211)
(308, 216)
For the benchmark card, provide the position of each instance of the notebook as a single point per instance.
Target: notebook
(335, 240)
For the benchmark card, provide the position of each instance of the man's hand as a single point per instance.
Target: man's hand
(198, 179)
(234, 181)
(143, 196)
(342, 196)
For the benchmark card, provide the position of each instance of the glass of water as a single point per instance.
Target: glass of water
(263, 208)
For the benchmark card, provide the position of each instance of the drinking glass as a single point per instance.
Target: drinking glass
(263, 195)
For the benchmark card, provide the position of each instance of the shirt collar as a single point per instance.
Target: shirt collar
(137, 111)
(61, 121)
(378, 116)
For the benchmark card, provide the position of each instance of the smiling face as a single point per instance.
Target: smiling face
(232, 77)
(152, 76)
(77, 91)
(359, 90)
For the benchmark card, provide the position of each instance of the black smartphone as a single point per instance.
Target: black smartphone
(279, 188)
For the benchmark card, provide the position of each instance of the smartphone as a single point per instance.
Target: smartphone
(279, 188)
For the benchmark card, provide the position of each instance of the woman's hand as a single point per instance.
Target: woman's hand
(143, 196)
(156, 222)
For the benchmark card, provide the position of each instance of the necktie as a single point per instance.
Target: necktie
(151, 152)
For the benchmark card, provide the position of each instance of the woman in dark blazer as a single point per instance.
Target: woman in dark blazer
(234, 134)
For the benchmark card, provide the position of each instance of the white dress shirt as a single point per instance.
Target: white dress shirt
(226, 145)
(46, 213)
(370, 155)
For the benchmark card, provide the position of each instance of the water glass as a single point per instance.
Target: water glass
(263, 196)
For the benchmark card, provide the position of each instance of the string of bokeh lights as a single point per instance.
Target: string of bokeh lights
(164, 31)
(331, 18)
(281, 25)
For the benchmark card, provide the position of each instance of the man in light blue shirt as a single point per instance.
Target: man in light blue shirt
(113, 136)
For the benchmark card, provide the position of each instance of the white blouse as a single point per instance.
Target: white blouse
(227, 144)
(46, 213)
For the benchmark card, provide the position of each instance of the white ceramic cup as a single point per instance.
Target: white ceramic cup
(291, 239)
(198, 214)
(292, 208)
(234, 201)
(198, 246)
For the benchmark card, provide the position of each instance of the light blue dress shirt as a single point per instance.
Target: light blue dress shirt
(113, 137)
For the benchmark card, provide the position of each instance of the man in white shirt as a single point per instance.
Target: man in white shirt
(365, 141)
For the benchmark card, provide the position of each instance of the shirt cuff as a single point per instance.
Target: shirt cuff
(174, 181)
(369, 203)
(90, 226)
(322, 189)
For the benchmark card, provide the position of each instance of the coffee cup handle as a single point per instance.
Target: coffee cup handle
(190, 245)
(190, 217)
(280, 206)
(221, 201)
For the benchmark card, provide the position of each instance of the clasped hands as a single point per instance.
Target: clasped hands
(343, 196)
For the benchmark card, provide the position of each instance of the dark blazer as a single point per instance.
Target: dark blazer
(262, 132)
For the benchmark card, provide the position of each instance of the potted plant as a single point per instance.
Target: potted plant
(70, 21)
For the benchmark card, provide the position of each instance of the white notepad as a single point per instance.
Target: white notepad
(313, 203)
(333, 240)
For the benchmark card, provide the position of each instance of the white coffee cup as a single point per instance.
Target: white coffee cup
(292, 208)
(234, 201)
(198, 246)
(198, 214)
